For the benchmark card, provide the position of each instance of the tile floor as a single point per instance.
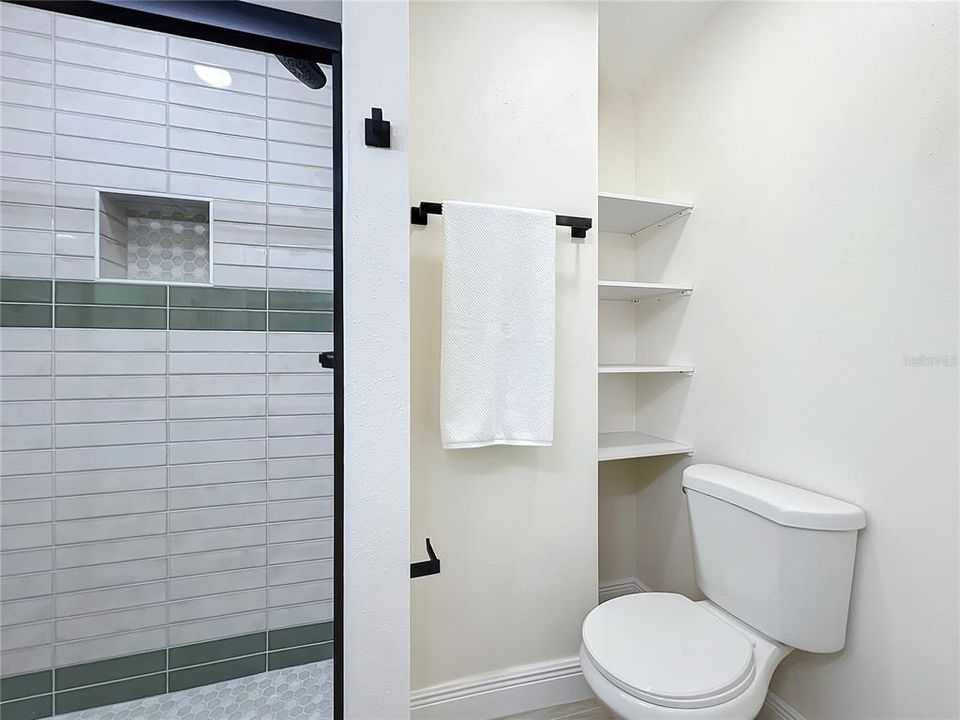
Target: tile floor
(583, 710)
(303, 692)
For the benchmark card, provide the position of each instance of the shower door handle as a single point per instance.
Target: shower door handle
(327, 360)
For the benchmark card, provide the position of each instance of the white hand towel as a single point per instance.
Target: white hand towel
(499, 314)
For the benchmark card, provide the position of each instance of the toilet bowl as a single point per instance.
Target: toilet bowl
(775, 563)
(661, 655)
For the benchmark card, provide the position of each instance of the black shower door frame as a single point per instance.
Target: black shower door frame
(278, 32)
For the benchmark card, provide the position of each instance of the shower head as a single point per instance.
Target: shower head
(306, 71)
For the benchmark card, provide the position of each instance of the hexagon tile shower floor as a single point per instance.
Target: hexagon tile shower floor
(303, 692)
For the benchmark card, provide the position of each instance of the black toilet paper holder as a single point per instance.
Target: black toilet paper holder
(426, 567)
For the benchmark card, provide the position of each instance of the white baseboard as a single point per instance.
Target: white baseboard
(624, 586)
(493, 695)
(776, 708)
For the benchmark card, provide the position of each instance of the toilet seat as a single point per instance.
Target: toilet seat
(668, 651)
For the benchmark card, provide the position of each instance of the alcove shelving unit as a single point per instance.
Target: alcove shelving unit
(628, 215)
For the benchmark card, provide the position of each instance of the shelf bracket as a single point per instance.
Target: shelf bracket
(663, 223)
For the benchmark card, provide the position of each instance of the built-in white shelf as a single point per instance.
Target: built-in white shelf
(629, 369)
(624, 445)
(630, 214)
(617, 290)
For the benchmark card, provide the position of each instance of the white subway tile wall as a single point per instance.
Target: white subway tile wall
(160, 487)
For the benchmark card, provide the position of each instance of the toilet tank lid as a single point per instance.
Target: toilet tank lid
(781, 503)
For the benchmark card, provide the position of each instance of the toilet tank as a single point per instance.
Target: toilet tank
(778, 557)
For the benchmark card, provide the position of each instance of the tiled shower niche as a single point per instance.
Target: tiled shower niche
(152, 238)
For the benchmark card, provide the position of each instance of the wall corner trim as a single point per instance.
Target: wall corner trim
(506, 692)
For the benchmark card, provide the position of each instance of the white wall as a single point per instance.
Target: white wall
(818, 142)
(504, 110)
(617, 147)
(377, 370)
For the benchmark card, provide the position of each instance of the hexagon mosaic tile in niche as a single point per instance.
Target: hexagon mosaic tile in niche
(154, 238)
(168, 249)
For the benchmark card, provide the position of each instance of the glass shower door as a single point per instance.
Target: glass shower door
(166, 285)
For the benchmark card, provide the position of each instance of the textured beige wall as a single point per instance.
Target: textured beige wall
(819, 144)
(504, 110)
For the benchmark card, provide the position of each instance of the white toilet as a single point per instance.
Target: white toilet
(776, 564)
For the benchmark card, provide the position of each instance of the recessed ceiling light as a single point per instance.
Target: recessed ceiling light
(218, 77)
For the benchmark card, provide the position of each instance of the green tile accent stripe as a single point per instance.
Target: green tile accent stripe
(217, 672)
(217, 320)
(110, 693)
(301, 635)
(301, 322)
(108, 293)
(141, 306)
(21, 686)
(299, 656)
(29, 709)
(104, 682)
(206, 652)
(233, 298)
(12, 315)
(29, 291)
(301, 300)
(132, 318)
(74, 676)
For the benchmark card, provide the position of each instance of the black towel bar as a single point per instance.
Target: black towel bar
(578, 225)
